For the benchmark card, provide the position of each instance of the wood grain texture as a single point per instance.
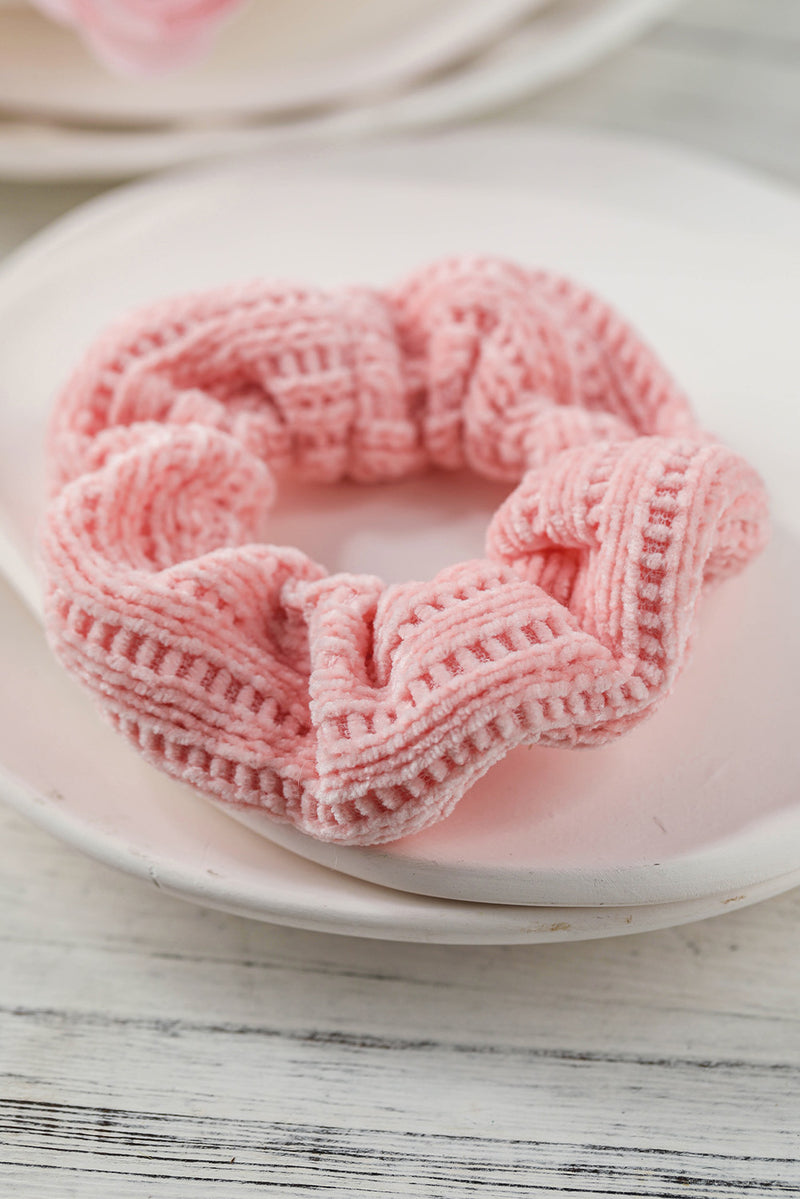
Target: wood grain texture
(721, 76)
(148, 1047)
(154, 1050)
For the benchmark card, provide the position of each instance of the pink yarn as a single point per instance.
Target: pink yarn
(357, 711)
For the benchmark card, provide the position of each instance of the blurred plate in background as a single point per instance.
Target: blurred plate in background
(66, 117)
(271, 56)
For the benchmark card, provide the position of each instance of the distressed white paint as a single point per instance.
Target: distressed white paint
(153, 1049)
(149, 1047)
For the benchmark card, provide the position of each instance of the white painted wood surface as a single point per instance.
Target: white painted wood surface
(152, 1049)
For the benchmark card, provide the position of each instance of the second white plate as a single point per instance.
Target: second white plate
(563, 39)
(266, 59)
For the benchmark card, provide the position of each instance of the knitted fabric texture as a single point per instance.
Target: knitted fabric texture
(361, 712)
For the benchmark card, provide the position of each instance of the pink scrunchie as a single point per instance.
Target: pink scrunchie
(357, 711)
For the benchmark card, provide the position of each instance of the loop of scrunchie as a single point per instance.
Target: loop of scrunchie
(358, 711)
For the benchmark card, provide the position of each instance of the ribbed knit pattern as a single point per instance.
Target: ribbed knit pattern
(358, 711)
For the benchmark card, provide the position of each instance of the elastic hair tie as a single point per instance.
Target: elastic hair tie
(357, 711)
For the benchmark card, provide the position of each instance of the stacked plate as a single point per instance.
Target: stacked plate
(287, 71)
(696, 812)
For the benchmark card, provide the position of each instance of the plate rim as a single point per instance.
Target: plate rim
(435, 921)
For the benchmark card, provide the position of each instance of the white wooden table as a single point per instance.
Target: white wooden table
(152, 1049)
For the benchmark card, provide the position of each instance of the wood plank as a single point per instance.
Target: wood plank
(127, 1150)
(174, 1039)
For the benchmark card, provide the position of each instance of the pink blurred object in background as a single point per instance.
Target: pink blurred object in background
(143, 36)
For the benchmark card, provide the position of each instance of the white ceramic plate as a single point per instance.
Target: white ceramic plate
(270, 57)
(563, 39)
(631, 220)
